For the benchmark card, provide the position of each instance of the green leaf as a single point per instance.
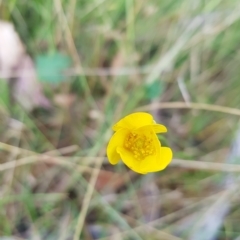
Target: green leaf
(154, 90)
(4, 93)
(50, 68)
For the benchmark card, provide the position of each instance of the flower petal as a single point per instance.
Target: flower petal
(134, 121)
(117, 140)
(157, 163)
(158, 128)
(129, 160)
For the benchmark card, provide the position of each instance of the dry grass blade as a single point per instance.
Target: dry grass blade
(68, 34)
(190, 105)
(55, 152)
(208, 166)
(124, 71)
(86, 201)
(46, 159)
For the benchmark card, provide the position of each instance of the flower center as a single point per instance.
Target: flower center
(140, 145)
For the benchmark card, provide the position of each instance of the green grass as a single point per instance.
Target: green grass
(194, 44)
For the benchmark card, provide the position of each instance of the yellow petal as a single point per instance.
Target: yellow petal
(158, 162)
(129, 160)
(150, 163)
(134, 121)
(116, 140)
(158, 128)
(165, 157)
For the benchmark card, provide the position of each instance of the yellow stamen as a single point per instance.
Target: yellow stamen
(140, 145)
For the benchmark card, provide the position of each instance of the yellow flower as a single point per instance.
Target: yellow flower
(136, 143)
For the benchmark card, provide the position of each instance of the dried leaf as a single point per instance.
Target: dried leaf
(11, 49)
(16, 64)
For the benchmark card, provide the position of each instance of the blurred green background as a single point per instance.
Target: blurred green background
(96, 61)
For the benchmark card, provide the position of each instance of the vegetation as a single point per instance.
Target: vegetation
(126, 56)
